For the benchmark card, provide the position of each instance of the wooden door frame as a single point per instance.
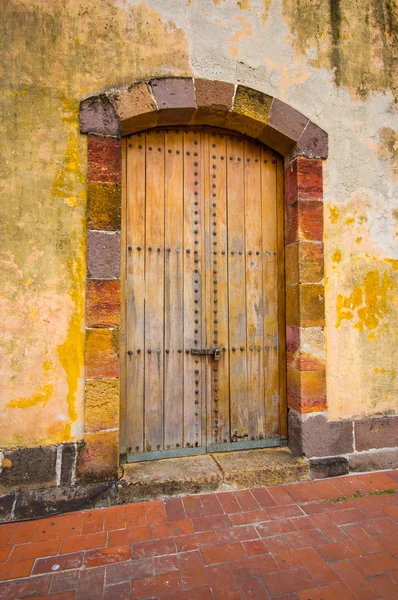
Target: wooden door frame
(108, 117)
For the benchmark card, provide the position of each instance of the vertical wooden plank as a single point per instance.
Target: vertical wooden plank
(174, 292)
(254, 291)
(236, 289)
(193, 251)
(135, 292)
(218, 288)
(123, 276)
(270, 290)
(209, 267)
(154, 290)
(281, 297)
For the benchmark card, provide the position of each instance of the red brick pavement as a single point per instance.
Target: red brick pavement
(294, 541)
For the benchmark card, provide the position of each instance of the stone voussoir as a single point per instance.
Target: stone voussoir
(97, 115)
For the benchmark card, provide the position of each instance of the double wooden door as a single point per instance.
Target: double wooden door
(204, 310)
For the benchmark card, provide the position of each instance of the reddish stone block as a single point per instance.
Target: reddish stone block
(363, 540)
(287, 120)
(70, 525)
(83, 542)
(313, 341)
(107, 556)
(97, 115)
(376, 433)
(25, 588)
(375, 564)
(280, 495)
(175, 97)
(306, 390)
(304, 221)
(119, 591)
(354, 581)
(217, 95)
(103, 255)
(174, 509)
(284, 512)
(263, 497)
(135, 107)
(136, 515)
(103, 206)
(156, 586)
(102, 353)
(64, 581)
(104, 159)
(303, 539)
(385, 586)
(275, 527)
(65, 562)
(102, 303)
(193, 506)
(4, 552)
(314, 143)
(98, 459)
(330, 592)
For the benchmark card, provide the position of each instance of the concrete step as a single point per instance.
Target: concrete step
(205, 473)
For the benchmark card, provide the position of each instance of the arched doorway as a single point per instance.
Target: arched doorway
(204, 293)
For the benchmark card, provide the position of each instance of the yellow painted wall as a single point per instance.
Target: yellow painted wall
(341, 71)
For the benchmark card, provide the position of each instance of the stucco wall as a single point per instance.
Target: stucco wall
(336, 66)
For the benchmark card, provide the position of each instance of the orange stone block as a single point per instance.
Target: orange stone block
(103, 206)
(101, 404)
(305, 348)
(103, 303)
(304, 221)
(98, 460)
(102, 353)
(311, 305)
(306, 390)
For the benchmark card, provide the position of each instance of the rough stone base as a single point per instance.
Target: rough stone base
(332, 466)
(375, 460)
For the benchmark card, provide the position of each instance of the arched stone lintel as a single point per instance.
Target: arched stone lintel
(172, 101)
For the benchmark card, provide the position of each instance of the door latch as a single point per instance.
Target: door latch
(216, 352)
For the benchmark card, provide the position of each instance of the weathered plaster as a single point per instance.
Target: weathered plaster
(339, 74)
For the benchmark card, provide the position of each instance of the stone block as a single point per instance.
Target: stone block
(306, 390)
(287, 120)
(304, 262)
(216, 95)
(68, 462)
(175, 97)
(306, 348)
(98, 458)
(311, 304)
(97, 115)
(102, 353)
(313, 143)
(304, 221)
(314, 436)
(250, 111)
(103, 303)
(303, 180)
(305, 305)
(28, 468)
(6, 504)
(103, 255)
(376, 432)
(104, 204)
(101, 404)
(104, 159)
(331, 466)
(378, 460)
(135, 106)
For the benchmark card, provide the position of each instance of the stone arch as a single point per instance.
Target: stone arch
(171, 101)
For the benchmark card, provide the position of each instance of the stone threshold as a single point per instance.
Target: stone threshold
(210, 472)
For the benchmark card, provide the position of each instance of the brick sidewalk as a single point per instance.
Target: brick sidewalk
(296, 541)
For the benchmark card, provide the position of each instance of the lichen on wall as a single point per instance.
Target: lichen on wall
(53, 55)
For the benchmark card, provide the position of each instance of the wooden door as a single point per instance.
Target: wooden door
(204, 294)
